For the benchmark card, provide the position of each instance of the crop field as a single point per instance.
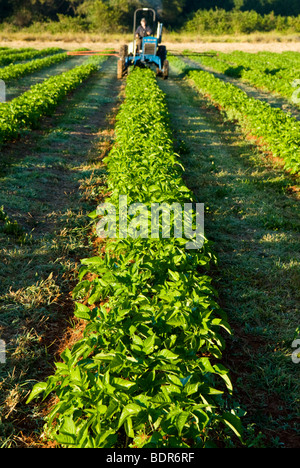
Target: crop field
(122, 323)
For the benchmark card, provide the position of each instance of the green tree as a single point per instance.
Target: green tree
(109, 15)
(99, 14)
(117, 15)
(285, 8)
(173, 11)
(238, 4)
(23, 12)
(6, 9)
(125, 10)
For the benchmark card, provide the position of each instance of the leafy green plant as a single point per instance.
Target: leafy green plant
(26, 54)
(26, 110)
(11, 72)
(147, 371)
(275, 129)
(265, 70)
(8, 50)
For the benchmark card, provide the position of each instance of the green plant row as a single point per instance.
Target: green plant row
(26, 110)
(277, 130)
(267, 61)
(12, 72)
(8, 50)
(13, 57)
(273, 74)
(147, 371)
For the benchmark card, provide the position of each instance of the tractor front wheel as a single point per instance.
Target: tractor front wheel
(123, 51)
(166, 68)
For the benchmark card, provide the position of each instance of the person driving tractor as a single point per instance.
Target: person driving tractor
(142, 31)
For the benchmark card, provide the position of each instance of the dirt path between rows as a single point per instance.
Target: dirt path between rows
(253, 220)
(199, 45)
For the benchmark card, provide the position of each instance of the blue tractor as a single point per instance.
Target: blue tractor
(146, 53)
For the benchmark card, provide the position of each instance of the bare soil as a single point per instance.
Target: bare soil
(197, 45)
(231, 46)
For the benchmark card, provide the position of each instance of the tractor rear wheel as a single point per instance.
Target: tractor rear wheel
(121, 68)
(162, 53)
(123, 51)
(166, 68)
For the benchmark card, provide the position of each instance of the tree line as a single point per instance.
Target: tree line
(118, 14)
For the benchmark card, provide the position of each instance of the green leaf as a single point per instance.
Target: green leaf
(166, 354)
(191, 388)
(174, 275)
(82, 311)
(37, 389)
(65, 439)
(93, 214)
(75, 374)
(101, 409)
(92, 261)
(130, 410)
(223, 372)
(181, 421)
(128, 427)
(123, 384)
(68, 426)
(234, 422)
(106, 439)
(148, 344)
(175, 380)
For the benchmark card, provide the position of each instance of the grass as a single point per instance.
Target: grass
(252, 216)
(48, 190)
